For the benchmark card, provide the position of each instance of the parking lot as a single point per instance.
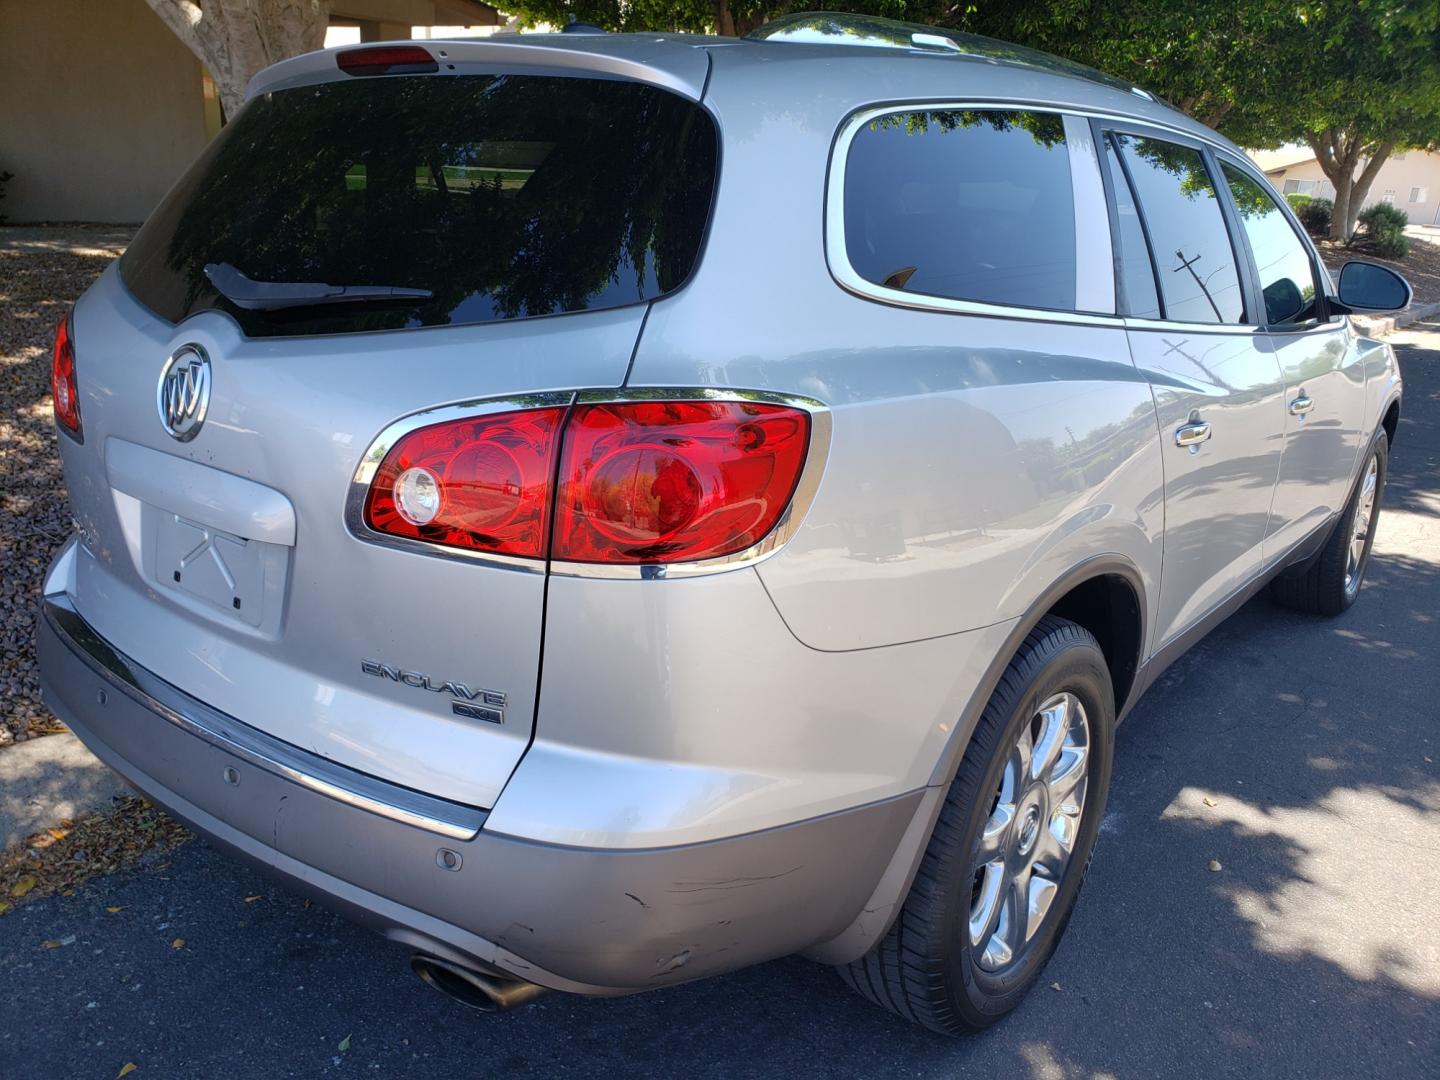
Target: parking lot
(1300, 755)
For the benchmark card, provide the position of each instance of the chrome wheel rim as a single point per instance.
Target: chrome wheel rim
(1028, 840)
(1360, 526)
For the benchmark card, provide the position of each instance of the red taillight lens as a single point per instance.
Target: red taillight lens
(387, 60)
(668, 482)
(63, 387)
(481, 483)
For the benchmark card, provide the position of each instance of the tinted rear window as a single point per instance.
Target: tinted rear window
(506, 196)
(964, 204)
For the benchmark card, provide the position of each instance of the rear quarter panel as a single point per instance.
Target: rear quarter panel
(974, 460)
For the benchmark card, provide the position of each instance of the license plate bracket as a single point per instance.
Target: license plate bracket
(231, 576)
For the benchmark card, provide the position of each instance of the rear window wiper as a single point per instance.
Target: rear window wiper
(254, 295)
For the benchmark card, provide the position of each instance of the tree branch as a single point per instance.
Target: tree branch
(184, 18)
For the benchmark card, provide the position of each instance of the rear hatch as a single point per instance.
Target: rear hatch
(524, 222)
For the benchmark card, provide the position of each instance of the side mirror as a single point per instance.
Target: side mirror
(1368, 286)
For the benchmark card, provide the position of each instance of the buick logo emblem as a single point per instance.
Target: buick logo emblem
(184, 392)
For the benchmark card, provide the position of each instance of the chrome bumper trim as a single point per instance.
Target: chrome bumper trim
(251, 745)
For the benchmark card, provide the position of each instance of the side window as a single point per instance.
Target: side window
(1135, 284)
(1287, 276)
(964, 204)
(1199, 281)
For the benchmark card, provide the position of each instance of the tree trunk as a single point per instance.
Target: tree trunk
(1361, 187)
(1339, 155)
(234, 39)
(724, 20)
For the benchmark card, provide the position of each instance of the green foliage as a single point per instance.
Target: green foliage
(1352, 78)
(1313, 213)
(1384, 226)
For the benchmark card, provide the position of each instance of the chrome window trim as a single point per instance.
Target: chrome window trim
(1096, 264)
(262, 750)
(805, 488)
(790, 520)
(440, 414)
(846, 277)
(1232, 329)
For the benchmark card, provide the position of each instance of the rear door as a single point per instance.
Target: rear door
(1324, 377)
(530, 220)
(1217, 384)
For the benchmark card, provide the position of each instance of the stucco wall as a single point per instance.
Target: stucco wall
(1415, 169)
(100, 109)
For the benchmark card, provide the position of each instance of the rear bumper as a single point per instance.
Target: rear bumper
(587, 920)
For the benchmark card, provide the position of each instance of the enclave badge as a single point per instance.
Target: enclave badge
(487, 705)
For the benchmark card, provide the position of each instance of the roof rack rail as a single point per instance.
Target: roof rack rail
(872, 31)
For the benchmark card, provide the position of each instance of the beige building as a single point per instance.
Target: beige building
(102, 107)
(1408, 179)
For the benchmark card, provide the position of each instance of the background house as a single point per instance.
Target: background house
(1408, 179)
(104, 107)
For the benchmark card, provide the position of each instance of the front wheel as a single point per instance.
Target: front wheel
(1004, 866)
(1332, 582)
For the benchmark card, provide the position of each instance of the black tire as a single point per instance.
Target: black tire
(925, 969)
(1327, 585)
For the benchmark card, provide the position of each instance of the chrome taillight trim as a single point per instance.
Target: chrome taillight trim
(375, 454)
(805, 489)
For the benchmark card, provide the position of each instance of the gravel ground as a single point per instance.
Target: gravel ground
(42, 271)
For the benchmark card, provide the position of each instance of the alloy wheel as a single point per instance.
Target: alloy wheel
(1027, 841)
(1360, 526)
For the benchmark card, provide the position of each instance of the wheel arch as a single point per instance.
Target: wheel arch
(1105, 591)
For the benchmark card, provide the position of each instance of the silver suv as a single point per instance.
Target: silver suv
(607, 510)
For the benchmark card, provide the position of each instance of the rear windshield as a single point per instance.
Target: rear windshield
(504, 196)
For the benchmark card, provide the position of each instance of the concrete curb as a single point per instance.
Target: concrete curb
(44, 781)
(1373, 327)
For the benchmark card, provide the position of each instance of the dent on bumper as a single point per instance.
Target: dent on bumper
(580, 919)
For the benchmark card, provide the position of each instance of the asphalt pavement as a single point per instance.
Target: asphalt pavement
(1313, 952)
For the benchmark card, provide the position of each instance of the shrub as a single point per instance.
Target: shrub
(1384, 226)
(1313, 213)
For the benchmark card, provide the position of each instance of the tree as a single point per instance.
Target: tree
(1368, 75)
(1354, 79)
(234, 39)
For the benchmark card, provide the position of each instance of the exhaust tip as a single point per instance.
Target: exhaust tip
(478, 990)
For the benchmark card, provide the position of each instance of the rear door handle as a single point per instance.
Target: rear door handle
(1302, 404)
(1192, 434)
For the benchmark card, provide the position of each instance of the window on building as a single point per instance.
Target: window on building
(1419, 194)
(965, 204)
(1199, 280)
(1301, 187)
(1389, 196)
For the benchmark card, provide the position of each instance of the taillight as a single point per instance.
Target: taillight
(661, 482)
(387, 60)
(481, 483)
(638, 481)
(63, 387)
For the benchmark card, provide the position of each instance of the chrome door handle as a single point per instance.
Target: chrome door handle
(1302, 404)
(1192, 434)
